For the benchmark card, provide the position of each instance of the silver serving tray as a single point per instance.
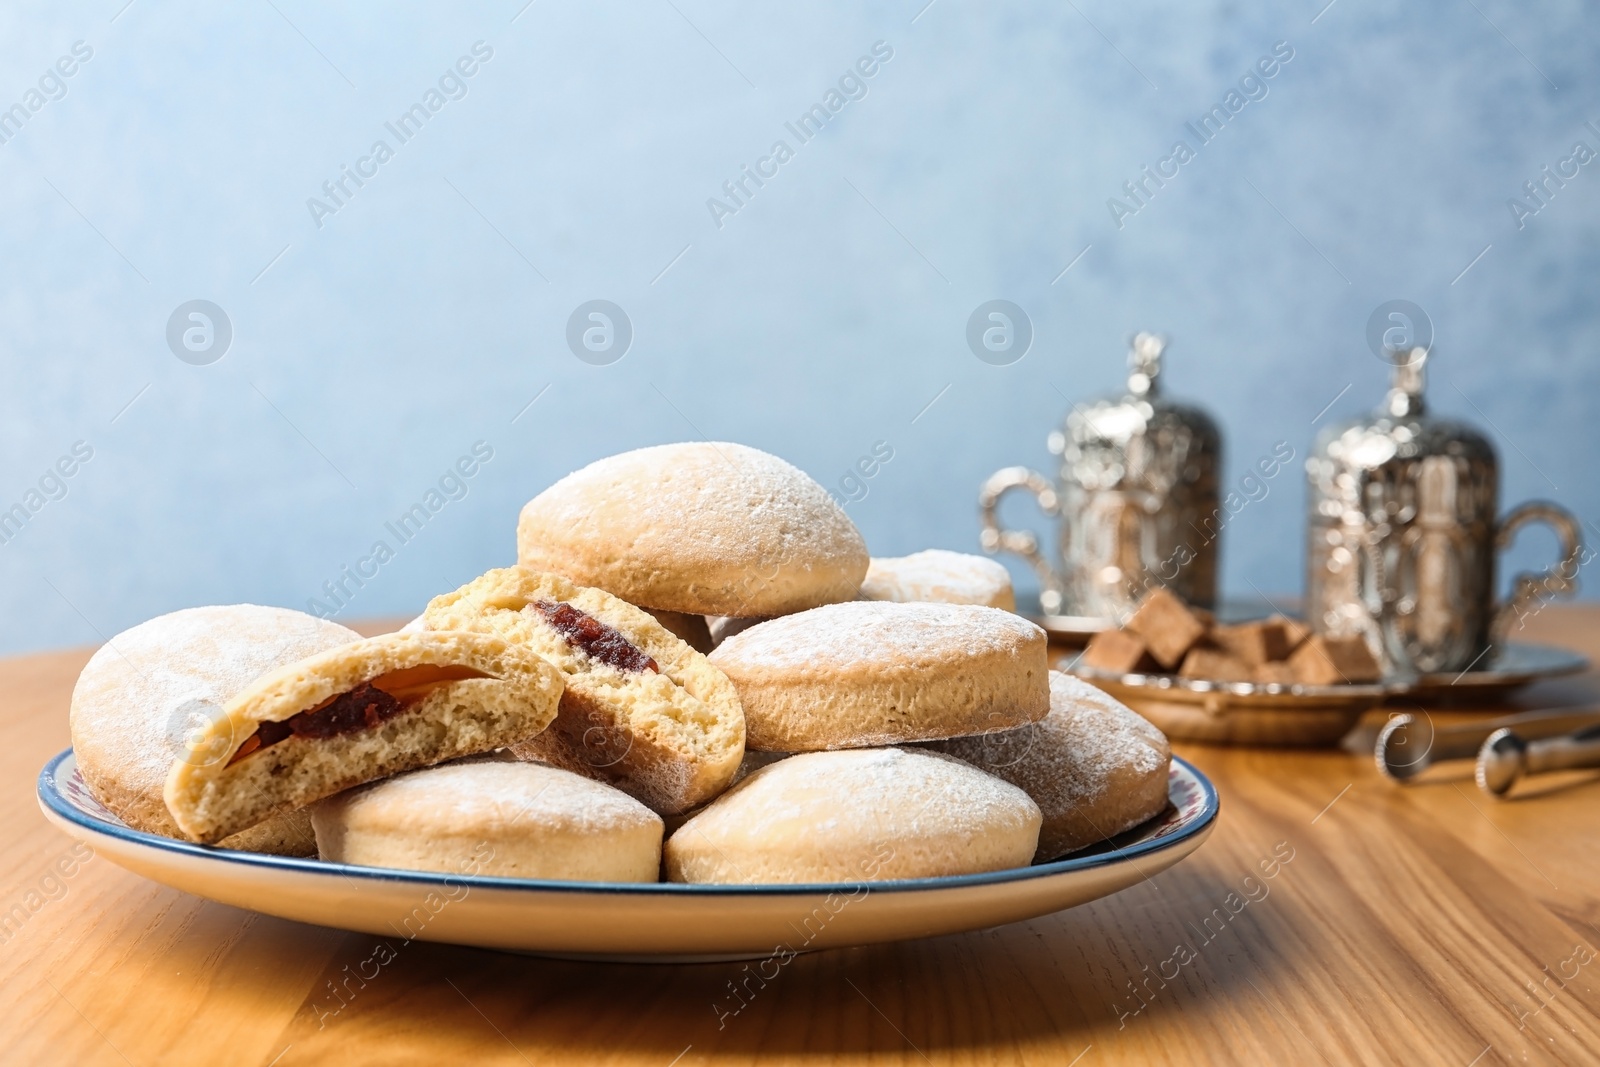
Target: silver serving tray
(1506, 667)
(1252, 713)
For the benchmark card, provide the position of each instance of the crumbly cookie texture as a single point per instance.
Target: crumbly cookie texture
(939, 576)
(145, 694)
(1093, 765)
(866, 674)
(497, 818)
(671, 736)
(705, 528)
(358, 712)
(865, 815)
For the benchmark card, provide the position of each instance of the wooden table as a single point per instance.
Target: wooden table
(1411, 925)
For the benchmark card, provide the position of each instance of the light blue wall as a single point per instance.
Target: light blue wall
(819, 319)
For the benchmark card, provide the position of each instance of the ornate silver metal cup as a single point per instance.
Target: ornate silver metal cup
(1136, 495)
(1403, 534)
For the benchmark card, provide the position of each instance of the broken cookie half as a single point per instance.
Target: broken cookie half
(642, 710)
(352, 714)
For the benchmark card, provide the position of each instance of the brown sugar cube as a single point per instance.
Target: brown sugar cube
(1214, 664)
(1268, 673)
(1254, 642)
(1353, 658)
(1117, 651)
(1324, 660)
(1294, 632)
(1166, 626)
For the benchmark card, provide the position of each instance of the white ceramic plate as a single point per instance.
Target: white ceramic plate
(640, 922)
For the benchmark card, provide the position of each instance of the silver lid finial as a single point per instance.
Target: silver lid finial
(1144, 362)
(1407, 383)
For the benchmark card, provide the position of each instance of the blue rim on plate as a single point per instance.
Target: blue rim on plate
(1106, 852)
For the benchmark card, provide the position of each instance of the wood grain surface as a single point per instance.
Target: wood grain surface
(1418, 925)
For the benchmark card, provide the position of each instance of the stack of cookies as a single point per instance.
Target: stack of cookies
(693, 639)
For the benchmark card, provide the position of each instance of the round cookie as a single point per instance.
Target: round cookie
(866, 815)
(499, 818)
(704, 528)
(865, 674)
(143, 696)
(354, 713)
(941, 577)
(1094, 766)
(641, 710)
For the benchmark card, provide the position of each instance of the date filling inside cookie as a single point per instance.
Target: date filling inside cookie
(599, 641)
(368, 705)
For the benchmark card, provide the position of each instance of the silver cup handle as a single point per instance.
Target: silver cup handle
(1560, 579)
(996, 539)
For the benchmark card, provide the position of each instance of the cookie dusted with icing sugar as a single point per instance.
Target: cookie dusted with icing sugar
(705, 528)
(867, 815)
(866, 674)
(939, 576)
(641, 710)
(150, 691)
(496, 818)
(1094, 766)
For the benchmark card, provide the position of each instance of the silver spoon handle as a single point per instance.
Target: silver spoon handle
(1409, 744)
(1564, 753)
(1506, 758)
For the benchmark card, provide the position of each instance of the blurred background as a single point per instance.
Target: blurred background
(361, 334)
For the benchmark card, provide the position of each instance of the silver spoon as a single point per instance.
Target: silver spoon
(1506, 757)
(1410, 744)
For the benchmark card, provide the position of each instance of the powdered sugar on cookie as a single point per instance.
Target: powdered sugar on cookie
(1097, 734)
(863, 815)
(491, 797)
(706, 528)
(1094, 766)
(940, 576)
(841, 635)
